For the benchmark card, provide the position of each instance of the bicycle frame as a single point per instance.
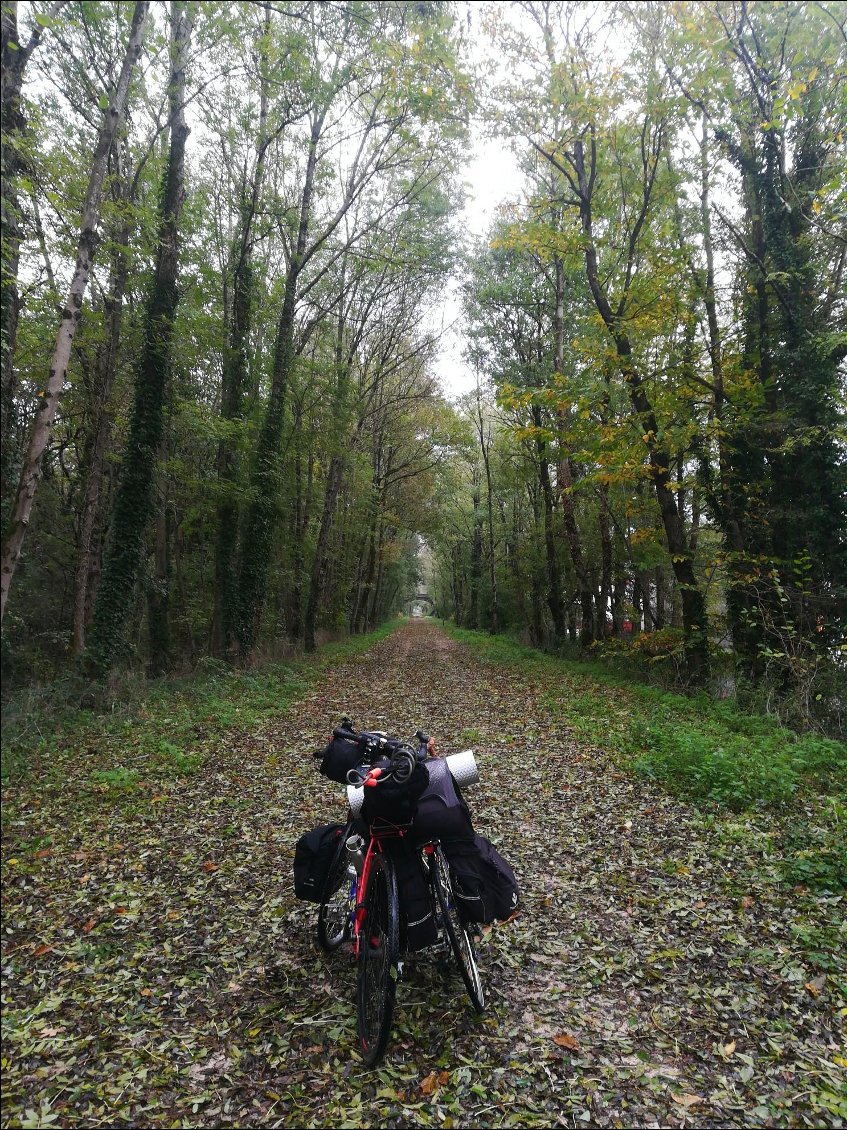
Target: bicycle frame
(362, 882)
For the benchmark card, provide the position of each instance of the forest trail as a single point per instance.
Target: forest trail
(158, 970)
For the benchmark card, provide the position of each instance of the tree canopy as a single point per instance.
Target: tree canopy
(227, 232)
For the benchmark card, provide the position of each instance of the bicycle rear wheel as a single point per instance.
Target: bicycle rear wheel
(460, 940)
(379, 944)
(337, 899)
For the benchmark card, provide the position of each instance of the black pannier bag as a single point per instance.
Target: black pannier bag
(313, 855)
(339, 757)
(484, 884)
(417, 922)
(394, 802)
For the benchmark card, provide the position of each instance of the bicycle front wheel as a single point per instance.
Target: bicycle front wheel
(337, 899)
(460, 940)
(379, 944)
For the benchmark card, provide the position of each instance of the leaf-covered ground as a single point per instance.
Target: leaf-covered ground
(159, 972)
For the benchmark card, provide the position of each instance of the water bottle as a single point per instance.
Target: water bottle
(355, 855)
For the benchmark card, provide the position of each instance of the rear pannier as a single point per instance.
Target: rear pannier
(442, 813)
(485, 885)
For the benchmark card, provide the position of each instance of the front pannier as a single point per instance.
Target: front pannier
(313, 857)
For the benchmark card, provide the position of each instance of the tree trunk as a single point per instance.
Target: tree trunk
(133, 507)
(606, 606)
(494, 623)
(92, 506)
(321, 561)
(158, 596)
(86, 250)
(263, 514)
(380, 568)
(586, 593)
(476, 556)
(554, 578)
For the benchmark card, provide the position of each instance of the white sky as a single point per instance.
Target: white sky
(491, 177)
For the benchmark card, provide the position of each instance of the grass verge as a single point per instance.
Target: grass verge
(158, 729)
(704, 751)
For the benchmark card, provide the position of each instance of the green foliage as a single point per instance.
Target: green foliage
(171, 724)
(119, 779)
(732, 770)
(706, 751)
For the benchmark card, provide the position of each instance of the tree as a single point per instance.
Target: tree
(72, 312)
(134, 501)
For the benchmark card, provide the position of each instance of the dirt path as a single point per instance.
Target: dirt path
(159, 972)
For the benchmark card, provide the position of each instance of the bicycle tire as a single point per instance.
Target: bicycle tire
(379, 945)
(336, 903)
(460, 940)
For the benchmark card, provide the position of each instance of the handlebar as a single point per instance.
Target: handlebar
(378, 745)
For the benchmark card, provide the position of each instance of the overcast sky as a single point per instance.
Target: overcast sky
(491, 177)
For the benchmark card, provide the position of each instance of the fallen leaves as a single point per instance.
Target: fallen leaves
(687, 1100)
(433, 1081)
(211, 1005)
(815, 985)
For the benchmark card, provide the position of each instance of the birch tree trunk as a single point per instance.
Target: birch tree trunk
(14, 57)
(86, 250)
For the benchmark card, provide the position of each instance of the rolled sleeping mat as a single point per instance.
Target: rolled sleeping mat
(463, 768)
(355, 798)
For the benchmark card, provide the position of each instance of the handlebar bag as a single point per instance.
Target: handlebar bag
(313, 855)
(339, 757)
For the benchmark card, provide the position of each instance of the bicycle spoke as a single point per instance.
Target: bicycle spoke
(460, 940)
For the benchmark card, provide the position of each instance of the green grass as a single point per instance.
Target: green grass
(160, 729)
(704, 751)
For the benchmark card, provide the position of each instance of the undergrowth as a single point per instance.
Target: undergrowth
(705, 751)
(161, 728)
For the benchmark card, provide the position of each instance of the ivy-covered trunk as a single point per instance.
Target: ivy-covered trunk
(234, 382)
(91, 518)
(262, 520)
(133, 507)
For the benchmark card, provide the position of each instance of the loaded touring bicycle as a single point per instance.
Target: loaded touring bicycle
(405, 872)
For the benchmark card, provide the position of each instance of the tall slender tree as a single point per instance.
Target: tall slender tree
(72, 312)
(134, 499)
